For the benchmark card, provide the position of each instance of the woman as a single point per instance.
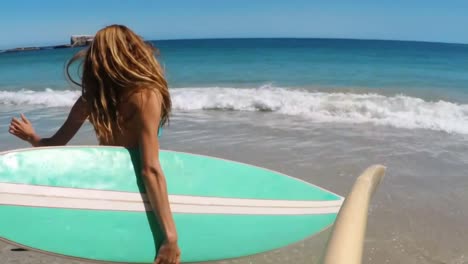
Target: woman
(126, 98)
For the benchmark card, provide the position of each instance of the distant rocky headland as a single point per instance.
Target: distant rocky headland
(75, 41)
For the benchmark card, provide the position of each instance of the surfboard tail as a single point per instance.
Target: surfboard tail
(346, 242)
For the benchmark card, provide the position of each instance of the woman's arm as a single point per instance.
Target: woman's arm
(23, 129)
(148, 105)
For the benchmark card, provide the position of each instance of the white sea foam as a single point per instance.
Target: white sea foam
(398, 111)
(46, 98)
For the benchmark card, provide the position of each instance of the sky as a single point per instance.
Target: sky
(36, 23)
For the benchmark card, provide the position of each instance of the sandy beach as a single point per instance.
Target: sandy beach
(417, 216)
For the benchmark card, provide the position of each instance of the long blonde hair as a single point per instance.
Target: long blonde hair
(117, 62)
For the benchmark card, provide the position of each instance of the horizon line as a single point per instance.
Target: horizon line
(247, 38)
(321, 38)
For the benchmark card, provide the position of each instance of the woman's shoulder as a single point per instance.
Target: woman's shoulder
(144, 98)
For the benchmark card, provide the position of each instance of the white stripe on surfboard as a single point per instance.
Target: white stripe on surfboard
(19, 197)
(88, 204)
(13, 188)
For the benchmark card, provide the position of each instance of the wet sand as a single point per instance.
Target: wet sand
(418, 215)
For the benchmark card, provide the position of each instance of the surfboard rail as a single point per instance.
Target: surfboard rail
(346, 242)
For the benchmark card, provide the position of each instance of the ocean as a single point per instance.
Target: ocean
(318, 109)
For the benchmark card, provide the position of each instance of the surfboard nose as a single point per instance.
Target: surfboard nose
(346, 242)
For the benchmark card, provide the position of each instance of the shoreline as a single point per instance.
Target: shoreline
(425, 185)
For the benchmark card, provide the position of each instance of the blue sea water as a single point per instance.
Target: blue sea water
(305, 63)
(393, 83)
(318, 109)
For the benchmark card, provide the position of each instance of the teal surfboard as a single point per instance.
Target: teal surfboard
(89, 203)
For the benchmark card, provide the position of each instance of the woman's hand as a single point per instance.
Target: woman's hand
(169, 253)
(23, 129)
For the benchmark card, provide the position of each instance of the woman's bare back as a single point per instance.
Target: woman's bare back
(126, 132)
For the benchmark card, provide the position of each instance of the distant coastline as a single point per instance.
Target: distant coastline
(75, 41)
(85, 40)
